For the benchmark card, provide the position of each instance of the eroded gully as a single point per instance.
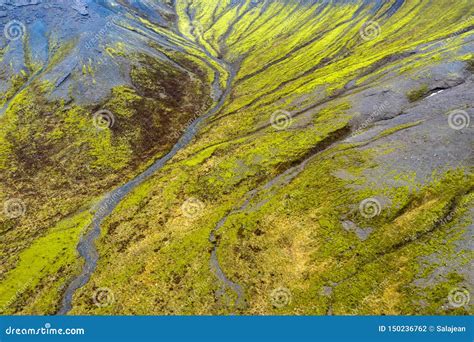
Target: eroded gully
(86, 247)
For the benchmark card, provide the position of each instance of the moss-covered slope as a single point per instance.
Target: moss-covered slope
(333, 175)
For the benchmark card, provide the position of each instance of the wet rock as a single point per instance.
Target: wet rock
(361, 233)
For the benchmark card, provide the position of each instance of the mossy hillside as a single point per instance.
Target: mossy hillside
(431, 55)
(151, 116)
(126, 238)
(305, 125)
(271, 151)
(41, 272)
(45, 169)
(17, 81)
(189, 53)
(265, 111)
(144, 233)
(55, 149)
(197, 94)
(361, 56)
(281, 73)
(198, 90)
(52, 150)
(255, 238)
(40, 131)
(186, 287)
(159, 258)
(342, 70)
(256, 248)
(149, 217)
(287, 34)
(319, 253)
(421, 231)
(34, 108)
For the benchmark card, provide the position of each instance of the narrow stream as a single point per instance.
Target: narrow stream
(283, 178)
(270, 188)
(86, 246)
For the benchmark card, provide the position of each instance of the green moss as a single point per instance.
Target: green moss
(17, 81)
(59, 52)
(123, 102)
(418, 93)
(109, 155)
(200, 157)
(470, 64)
(398, 128)
(288, 232)
(48, 256)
